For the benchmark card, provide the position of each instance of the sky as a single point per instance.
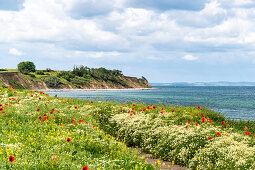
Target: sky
(162, 40)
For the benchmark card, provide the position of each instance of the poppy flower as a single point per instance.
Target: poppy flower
(85, 168)
(210, 138)
(133, 104)
(173, 111)
(81, 121)
(73, 121)
(144, 109)
(131, 114)
(121, 109)
(246, 128)
(154, 107)
(129, 111)
(3, 111)
(227, 125)
(133, 108)
(210, 121)
(218, 133)
(203, 120)
(93, 126)
(198, 107)
(40, 117)
(203, 115)
(68, 139)
(246, 133)
(196, 124)
(51, 112)
(38, 110)
(189, 121)
(11, 159)
(76, 107)
(223, 123)
(187, 127)
(123, 105)
(91, 102)
(134, 113)
(40, 98)
(44, 115)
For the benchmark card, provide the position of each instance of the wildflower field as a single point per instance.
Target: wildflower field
(43, 132)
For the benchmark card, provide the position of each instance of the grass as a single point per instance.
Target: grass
(9, 70)
(35, 128)
(195, 137)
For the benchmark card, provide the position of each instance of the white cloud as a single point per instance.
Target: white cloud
(189, 57)
(96, 54)
(14, 51)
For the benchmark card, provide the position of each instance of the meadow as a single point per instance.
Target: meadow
(43, 132)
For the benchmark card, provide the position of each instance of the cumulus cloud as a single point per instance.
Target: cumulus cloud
(14, 51)
(189, 57)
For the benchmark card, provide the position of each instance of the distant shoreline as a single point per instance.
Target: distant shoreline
(126, 89)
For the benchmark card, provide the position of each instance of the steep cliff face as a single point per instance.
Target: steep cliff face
(27, 82)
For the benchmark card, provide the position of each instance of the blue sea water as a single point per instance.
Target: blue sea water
(235, 102)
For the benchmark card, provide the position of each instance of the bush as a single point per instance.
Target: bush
(39, 72)
(52, 82)
(3, 69)
(26, 67)
(80, 81)
(66, 75)
(15, 84)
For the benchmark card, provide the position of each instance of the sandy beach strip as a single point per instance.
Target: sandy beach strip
(126, 89)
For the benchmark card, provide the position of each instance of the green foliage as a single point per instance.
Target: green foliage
(80, 81)
(26, 67)
(3, 69)
(52, 82)
(15, 84)
(66, 75)
(39, 72)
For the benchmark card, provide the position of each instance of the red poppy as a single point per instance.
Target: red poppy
(129, 111)
(203, 115)
(44, 115)
(11, 159)
(68, 139)
(3, 111)
(218, 133)
(133, 104)
(51, 112)
(40, 98)
(91, 102)
(73, 121)
(196, 124)
(131, 114)
(173, 111)
(246, 128)
(154, 107)
(223, 123)
(93, 126)
(246, 133)
(134, 113)
(32, 96)
(38, 110)
(187, 127)
(189, 121)
(144, 109)
(210, 138)
(133, 108)
(227, 125)
(85, 168)
(198, 107)
(39, 117)
(123, 105)
(203, 120)
(81, 121)
(121, 109)
(210, 121)
(76, 107)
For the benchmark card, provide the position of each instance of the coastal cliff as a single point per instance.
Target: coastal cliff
(54, 80)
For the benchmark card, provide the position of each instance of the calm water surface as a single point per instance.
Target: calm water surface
(234, 102)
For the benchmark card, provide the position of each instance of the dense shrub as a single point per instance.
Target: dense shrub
(39, 72)
(80, 81)
(15, 84)
(3, 69)
(66, 75)
(52, 81)
(26, 67)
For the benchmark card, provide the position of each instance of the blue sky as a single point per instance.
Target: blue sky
(163, 40)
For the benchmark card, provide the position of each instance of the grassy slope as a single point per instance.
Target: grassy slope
(42, 144)
(164, 131)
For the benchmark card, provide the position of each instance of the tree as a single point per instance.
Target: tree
(26, 67)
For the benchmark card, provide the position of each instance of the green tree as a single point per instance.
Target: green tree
(26, 67)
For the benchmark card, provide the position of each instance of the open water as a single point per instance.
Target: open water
(235, 102)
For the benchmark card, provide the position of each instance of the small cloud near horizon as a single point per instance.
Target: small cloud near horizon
(14, 51)
(189, 57)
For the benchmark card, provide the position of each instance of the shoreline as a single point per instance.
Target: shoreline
(126, 89)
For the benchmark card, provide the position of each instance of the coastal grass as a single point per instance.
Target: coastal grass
(194, 137)
(42, 132)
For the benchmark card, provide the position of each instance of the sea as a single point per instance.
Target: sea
(235, 102)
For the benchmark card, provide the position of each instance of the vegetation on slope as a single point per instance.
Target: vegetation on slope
(42, 132)
(79, 77)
